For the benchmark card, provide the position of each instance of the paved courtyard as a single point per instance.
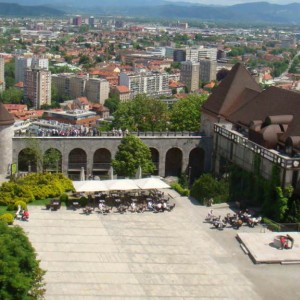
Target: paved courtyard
(150, 256)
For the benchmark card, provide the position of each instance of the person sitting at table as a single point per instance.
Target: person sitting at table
(133, 207)
(150, 205)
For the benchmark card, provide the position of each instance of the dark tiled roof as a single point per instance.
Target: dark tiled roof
(271, 102)
(5, 117)
(226, 96)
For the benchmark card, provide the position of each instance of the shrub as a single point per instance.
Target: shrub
(22, 203)
(10, 207)
(64, 198)
(7, 218)
(179, 189)
(206, 186)
(271, 225)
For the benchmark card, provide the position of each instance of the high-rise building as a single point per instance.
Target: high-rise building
(189, 74)
(192, 54)
(97, 90)
(37, 87)
(77, 20)
(2, 72)
(210, 53)
(179, 55)
(22, 63)
(92, 21)
(40, 62)
(77, 86)
(208, 70)
(152, 83)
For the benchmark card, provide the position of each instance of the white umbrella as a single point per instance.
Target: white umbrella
(121, 185)
(90, 186)
(151, 183)
(111, 173)
(139, 173)
(82, 175)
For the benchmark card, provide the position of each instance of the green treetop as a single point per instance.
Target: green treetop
(185, 113)
(131, 154)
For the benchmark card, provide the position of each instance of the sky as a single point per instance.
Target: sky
(229, 2)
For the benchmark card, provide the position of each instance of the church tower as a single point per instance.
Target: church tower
(6, 134)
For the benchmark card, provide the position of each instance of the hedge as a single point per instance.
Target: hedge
(179, 189)
(36, 186)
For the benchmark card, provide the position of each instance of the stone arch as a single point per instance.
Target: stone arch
(52, 160)
(77, 159)
(155, 159)
(173, 165)
(27, 160)
(101, 160)
(196, 163)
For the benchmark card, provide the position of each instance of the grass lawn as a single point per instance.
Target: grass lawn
(4, 211)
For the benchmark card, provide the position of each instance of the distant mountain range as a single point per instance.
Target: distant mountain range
(259, 12)
(17, 10)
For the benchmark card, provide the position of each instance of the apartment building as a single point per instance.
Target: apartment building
(74, 86)
(189, 74)
(37, 88)
(97, 90)
(24, 62)
(208, 70)
(151, 83)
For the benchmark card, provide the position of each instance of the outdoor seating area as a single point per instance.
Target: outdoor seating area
(235, 221)
(123, 195)
(53, 205)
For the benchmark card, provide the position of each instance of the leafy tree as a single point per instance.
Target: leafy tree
(185, 113)
(12, 95)
(142, 113)
(84, 59)
(10, 74)
(206, 186)
(112, 103)
(20, 274)
(281, 203)
(131, 154)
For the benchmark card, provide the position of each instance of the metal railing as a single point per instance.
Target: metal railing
(76, 166)
(111, 134)
(271, 155)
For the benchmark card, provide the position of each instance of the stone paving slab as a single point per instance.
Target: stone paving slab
(133, 256)
(261, 249)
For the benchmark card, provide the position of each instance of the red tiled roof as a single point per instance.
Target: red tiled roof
(122, 89)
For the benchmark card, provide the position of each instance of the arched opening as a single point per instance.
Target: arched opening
(27, 161)
(52, 160)
(155, 160)
(101, 162)
(196, 164)
(77, 161)
(173, 162)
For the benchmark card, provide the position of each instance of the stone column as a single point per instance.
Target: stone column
(162, 163)
(185, 161)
